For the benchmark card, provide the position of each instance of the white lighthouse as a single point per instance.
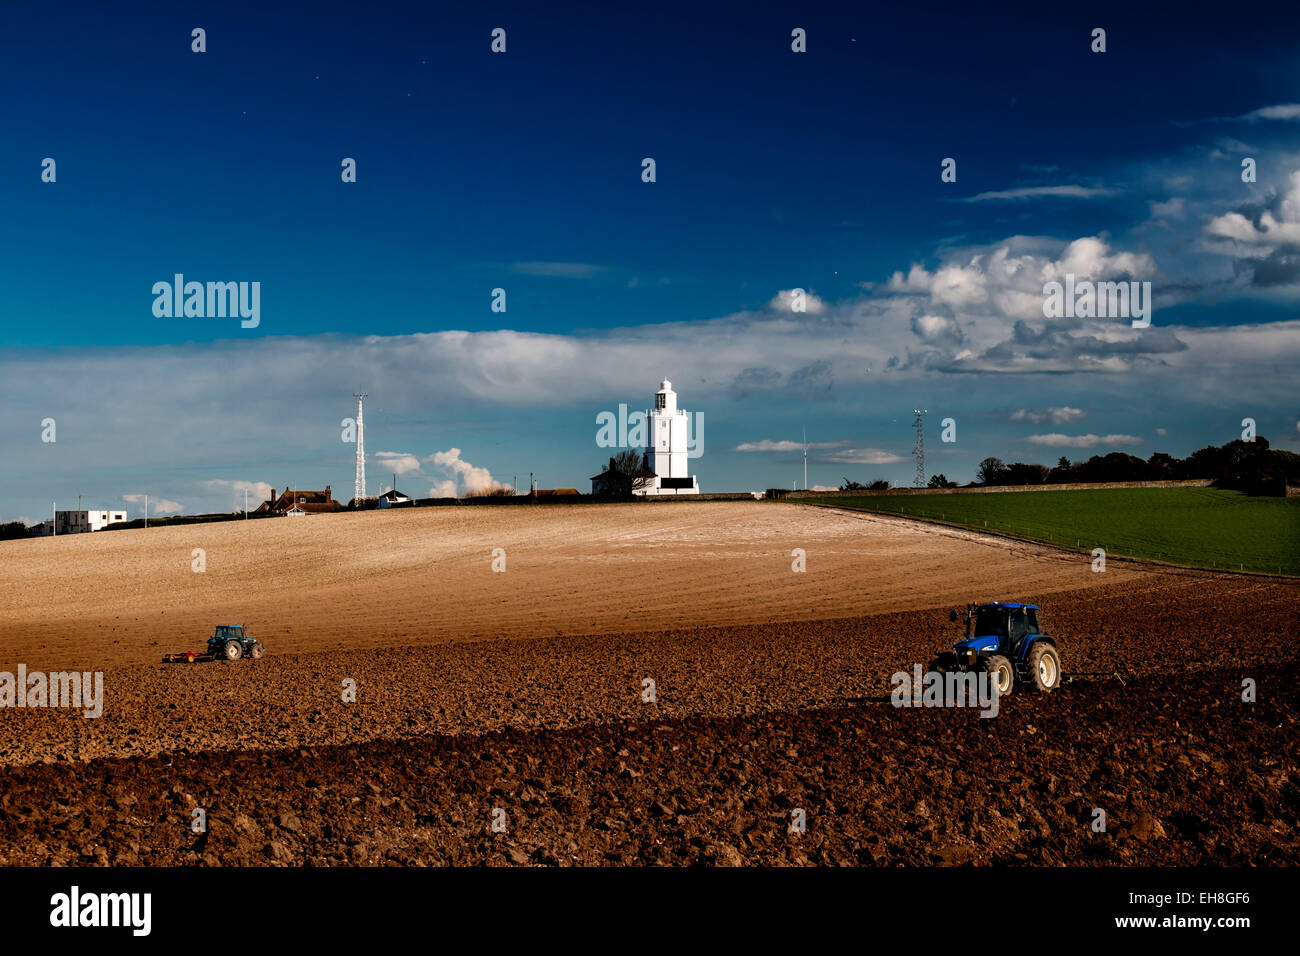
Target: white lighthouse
(667, 440)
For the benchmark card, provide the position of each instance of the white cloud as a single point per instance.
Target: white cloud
(1277, 226)
(1091, 258)
(768, 445)
(937, 329)
(1058, 440)
(258, 491)
(561, 270)
(157, 506)
(1040, 192)
(783, 301)
(1282, 111)
(397, 461)
(1169, 209)
(464, 478)
(1065, 415)
(862, 456)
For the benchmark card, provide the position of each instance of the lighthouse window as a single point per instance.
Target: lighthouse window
(661, 400)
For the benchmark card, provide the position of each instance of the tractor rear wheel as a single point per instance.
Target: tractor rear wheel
(257, 651)
(1000, 673)
(1044, 666)
(234, 650)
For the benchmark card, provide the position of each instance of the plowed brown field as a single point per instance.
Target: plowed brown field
(521, 691)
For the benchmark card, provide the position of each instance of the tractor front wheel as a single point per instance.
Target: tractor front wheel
(1044, 666)
(234, 650)
(944, 663)
(257, 651)
(1000, 673)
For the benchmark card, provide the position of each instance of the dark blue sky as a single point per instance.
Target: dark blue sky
(775, 170)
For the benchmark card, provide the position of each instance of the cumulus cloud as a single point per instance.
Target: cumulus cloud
(1064, 415)
(937, 329)
(784, 301)
(963, 310)
(1262, 239)
(258, 491)
(1058, 440)
(1262, 230)
(157, 506)
(463, 479)
(397, 462)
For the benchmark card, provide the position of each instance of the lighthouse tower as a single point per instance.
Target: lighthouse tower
(667, 438)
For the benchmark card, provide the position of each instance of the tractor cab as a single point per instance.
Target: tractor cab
(1001, 626)
(232, 641)
(1004, 639)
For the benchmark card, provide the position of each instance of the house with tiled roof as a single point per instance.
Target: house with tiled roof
(301, 501)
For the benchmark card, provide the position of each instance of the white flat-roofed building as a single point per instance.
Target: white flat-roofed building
(77, 522)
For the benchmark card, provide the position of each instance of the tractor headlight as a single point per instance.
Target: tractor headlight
(969, 657)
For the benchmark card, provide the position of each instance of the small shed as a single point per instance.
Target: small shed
(394, 499)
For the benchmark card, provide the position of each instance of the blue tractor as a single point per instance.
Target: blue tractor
(1004, 641)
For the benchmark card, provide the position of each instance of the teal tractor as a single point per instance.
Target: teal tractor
(229, 642)
(232, 641)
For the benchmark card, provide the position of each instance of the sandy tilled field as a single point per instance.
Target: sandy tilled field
(424, 576)
(522, 691)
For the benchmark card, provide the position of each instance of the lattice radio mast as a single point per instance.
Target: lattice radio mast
(918, 450)
(359, 491)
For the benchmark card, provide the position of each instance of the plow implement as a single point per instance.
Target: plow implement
(188, 657)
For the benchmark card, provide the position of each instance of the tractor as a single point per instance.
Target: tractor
(1003, 640)
(229, 642)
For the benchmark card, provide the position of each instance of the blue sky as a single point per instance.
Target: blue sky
(522, 171)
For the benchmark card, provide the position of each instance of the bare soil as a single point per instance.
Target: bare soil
(772, 695)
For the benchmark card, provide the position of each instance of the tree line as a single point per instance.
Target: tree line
(1250, 466)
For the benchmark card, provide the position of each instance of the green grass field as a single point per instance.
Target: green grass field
(1199, 527)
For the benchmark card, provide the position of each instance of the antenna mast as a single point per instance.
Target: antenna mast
(805, 459)
(359, 489)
